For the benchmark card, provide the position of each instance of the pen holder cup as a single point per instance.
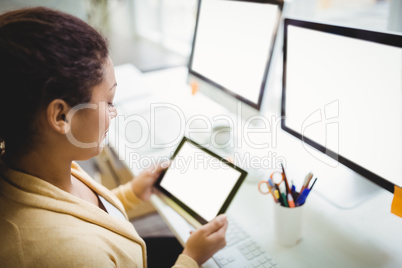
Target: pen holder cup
(288, 225)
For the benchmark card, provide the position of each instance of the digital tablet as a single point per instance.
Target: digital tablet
(199, 184)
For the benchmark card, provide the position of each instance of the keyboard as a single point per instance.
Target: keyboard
(242, 251)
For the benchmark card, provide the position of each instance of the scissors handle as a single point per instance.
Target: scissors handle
(275, 180)
(264, 191)
(270, 189)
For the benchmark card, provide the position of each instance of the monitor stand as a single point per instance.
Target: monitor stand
(345, 189)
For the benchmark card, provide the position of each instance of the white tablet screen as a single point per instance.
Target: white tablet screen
(199, 180)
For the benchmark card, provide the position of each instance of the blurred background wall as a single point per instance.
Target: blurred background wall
(155, 34)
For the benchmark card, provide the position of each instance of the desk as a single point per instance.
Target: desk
(367, 235)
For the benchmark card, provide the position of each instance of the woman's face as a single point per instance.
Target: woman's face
(90, 121)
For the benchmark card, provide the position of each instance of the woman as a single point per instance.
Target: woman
(57, 89)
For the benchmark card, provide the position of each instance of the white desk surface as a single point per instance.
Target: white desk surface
(365, 236)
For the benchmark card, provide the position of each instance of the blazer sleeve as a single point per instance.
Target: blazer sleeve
(185, 261)
(126, 196)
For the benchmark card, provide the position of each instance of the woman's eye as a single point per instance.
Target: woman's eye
(112, 109)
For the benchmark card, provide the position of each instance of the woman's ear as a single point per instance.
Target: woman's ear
(56, 115)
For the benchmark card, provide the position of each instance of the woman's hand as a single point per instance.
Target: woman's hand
(143, 183)
(207, 240)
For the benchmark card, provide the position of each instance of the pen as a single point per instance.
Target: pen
(286, 180)
(272, 193)
(306, 181)
(295, 195)
(313, 184)
(293, 192)
(277, 196)
(283, 195)
(290, 201)
(271, 183)
(280, 195)
(302, 198)
(271, 186)
(284, 200)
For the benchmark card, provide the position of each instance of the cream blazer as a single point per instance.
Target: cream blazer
(44, 226)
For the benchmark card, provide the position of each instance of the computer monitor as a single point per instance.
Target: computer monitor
(232, 51)
(342, 95)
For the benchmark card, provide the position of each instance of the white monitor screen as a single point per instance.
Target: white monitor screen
(345, 94)
(199, 180)
(233, 44)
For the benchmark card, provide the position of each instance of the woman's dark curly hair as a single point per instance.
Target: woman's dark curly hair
(44, 55)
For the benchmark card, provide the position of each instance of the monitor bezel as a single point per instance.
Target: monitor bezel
(361, 34)
(257, 105)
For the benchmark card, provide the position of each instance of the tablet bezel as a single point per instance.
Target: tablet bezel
(178, 205)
